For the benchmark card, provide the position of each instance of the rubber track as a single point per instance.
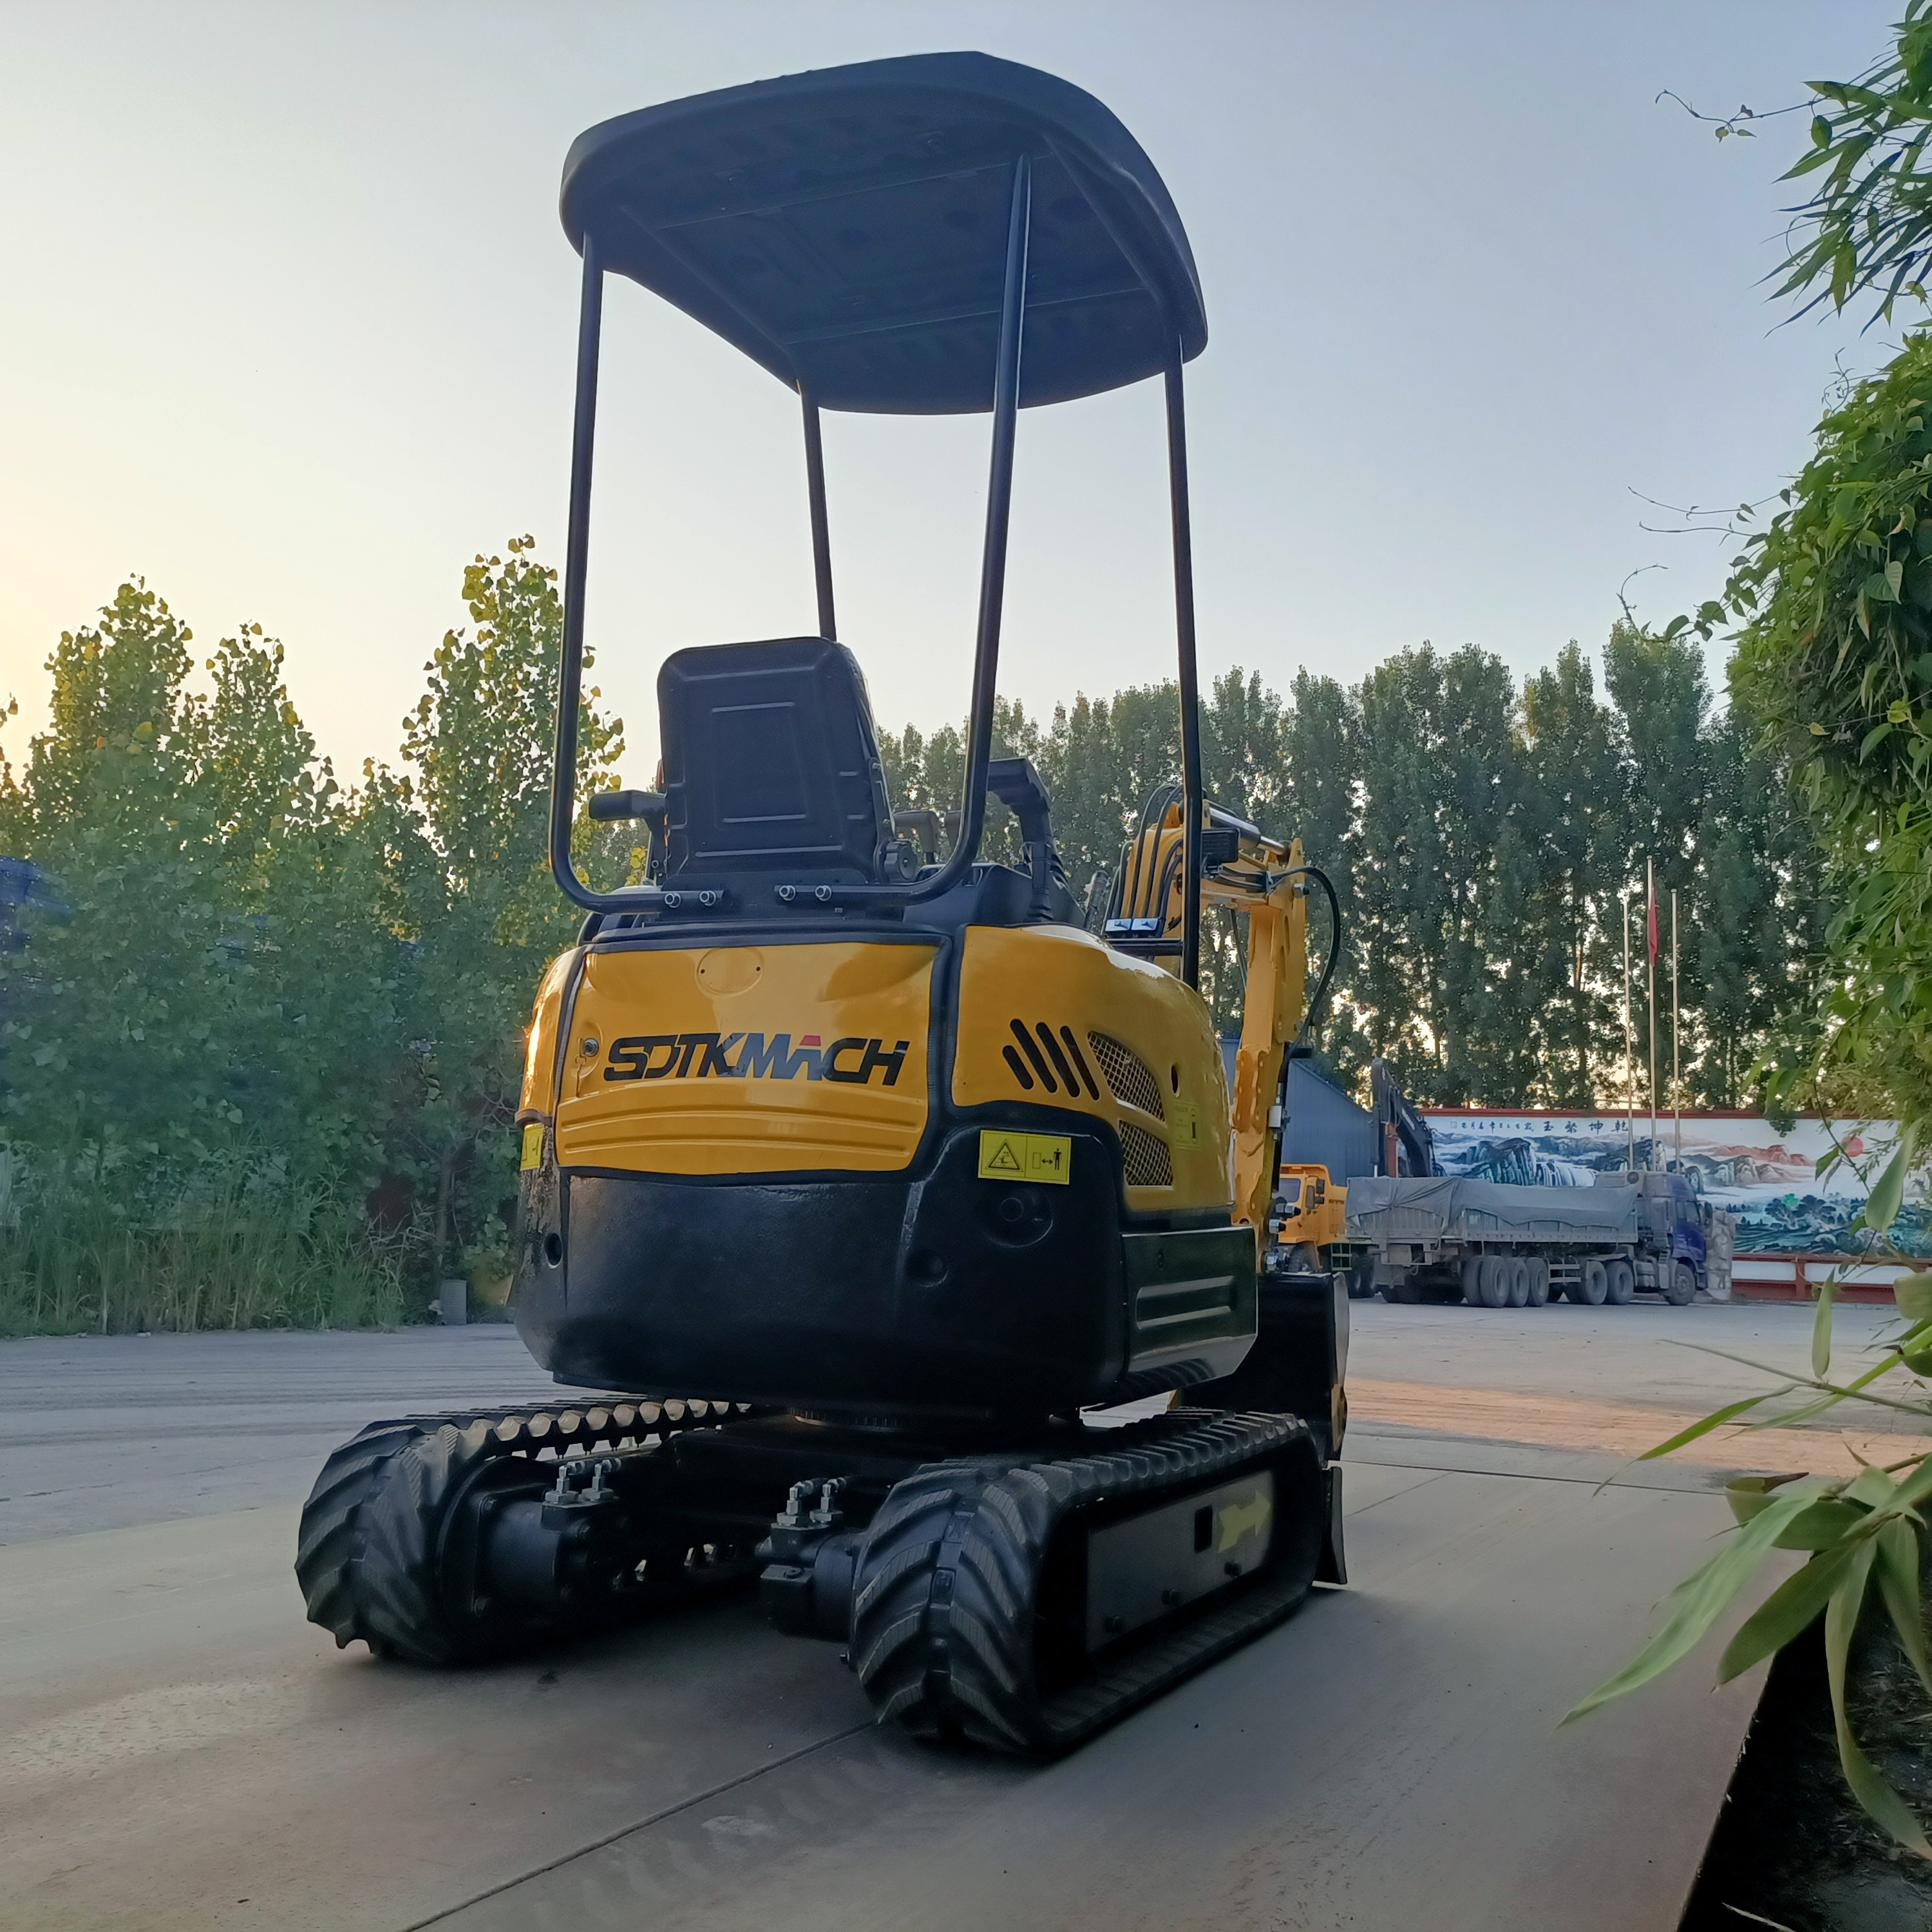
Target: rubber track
(942, 1629)
(366, 1549)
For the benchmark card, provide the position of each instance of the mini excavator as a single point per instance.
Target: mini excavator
(910, 1202)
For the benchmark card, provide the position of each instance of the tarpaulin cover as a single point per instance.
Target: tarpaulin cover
(1449, 1207)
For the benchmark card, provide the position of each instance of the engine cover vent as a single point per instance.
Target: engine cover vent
(1128, 1075)
(1144, 1157)
(1047, 1061)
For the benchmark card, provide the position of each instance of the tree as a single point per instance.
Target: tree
(1439, 765)
(467, 842)
(1575, 783)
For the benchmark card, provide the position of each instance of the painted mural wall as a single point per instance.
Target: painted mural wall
(1768, 1179)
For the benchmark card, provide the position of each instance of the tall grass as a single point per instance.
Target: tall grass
(88, 1247)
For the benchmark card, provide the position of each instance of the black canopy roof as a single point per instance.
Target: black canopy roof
(847, 229)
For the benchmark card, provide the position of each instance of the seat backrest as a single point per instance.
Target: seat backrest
(771, 762)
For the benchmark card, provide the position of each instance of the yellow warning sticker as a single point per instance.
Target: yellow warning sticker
(1187, 1126)
(1005, 1155)
(532, 1146)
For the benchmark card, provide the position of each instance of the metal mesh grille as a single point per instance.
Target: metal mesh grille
(1129, 1076)
(1144, 1157)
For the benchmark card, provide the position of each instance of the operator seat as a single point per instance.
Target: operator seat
(771, 762)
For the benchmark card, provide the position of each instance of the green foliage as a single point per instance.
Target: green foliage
(1833, 603)
(274, 1002)
(1480, 836)
(1867, 226)
(1856, 1531)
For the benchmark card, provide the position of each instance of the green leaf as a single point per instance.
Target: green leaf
(1871, 1487)
(1897, 1567)
(1716, 1420)
(1913, 1294)
(1881, 1803)
(1789, 1611)
(1821, 1327)
(1750, 1495)
(1821, 131)
(1877, 589)
(1821, 1526)
(1882, 1210)
(1700, 1600)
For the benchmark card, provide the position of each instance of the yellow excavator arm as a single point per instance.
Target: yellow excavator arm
(1250, 872)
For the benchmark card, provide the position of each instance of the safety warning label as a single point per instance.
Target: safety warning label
(1005, 1155)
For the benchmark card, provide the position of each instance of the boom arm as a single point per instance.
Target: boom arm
(1244, 869)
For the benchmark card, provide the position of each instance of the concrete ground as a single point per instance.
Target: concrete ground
(178, 1748)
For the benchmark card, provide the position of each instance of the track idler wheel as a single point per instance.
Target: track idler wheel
(369, 1559)
(976, 1611)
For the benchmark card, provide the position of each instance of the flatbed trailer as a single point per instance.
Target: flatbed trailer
(1448, 1238)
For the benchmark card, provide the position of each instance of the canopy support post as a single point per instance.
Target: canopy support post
(999, 506)
(1190, 682)
(576, 569)
(821, 533)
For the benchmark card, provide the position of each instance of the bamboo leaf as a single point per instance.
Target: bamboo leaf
(1789, 1610)
(1699, 1601)
(1871, 1487)
(1750, 1496)
(1821, 1329)
(1881, 1803)
(1897, 1567)
(1716, 1420)
(1882, 1210)
(1821, 1526)
(1915, 1489)
(1913, 1294)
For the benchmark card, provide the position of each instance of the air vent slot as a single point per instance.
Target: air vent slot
(1045, 1060)
(1144, 1157)
(1128, 1075)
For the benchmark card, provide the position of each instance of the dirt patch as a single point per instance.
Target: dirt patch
(1622, 1428)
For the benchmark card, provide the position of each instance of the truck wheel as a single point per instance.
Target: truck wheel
(1518, 1282)
(1622, 1283)
(1681, 1286)
(1493, 1283)
(1539, 1283)
(1404, 1291)
(1472, 1280)
(1592, 1284)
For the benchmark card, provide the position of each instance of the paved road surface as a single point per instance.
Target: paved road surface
(178, 1749)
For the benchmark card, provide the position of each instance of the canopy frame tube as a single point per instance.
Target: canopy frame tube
(1191, 793)
(821, 530)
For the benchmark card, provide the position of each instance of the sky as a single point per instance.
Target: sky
(287, 328)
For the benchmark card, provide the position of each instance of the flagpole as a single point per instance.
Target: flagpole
(1676, 1064)
(1630, 1070)
(1650, 998)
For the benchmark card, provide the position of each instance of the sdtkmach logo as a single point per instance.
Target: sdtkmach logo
(702, 1056)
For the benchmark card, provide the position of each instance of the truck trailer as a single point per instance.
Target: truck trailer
(1448, 1238)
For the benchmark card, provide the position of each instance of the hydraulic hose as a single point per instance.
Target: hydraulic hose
(1313, 1018)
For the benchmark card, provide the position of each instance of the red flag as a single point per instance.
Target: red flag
(1652, 925)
